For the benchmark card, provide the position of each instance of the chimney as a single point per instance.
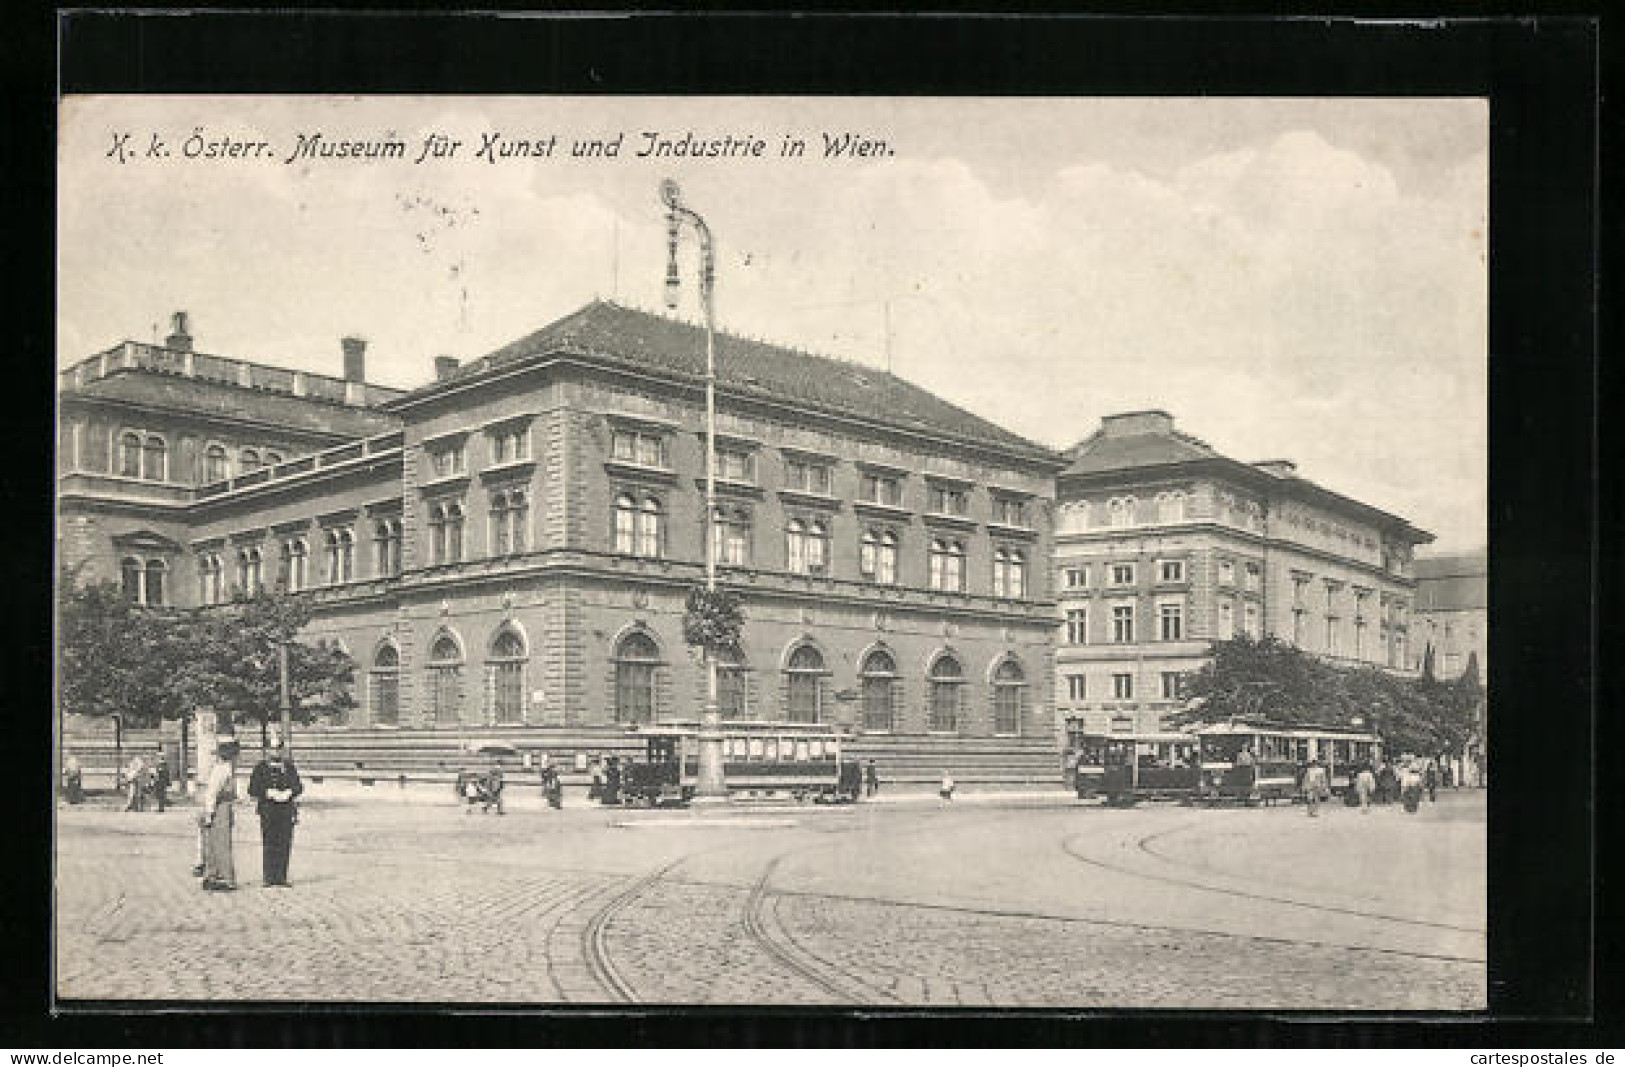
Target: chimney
(1281, 468)
(444, 367)
(179, 338)
(355, 358)
(1134, 423)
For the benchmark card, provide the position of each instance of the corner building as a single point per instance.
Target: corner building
(1163, 545)
(510, 546)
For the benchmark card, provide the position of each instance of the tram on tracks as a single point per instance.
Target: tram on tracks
(801, 762)
(1224, 763)
(1254, 764)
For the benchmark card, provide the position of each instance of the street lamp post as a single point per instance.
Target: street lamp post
(711, 786)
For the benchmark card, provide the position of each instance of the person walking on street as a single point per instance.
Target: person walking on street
(493, 788)
(135, 775)
(1365, 784)
(161, 781)
(73, 780)
(219, 868)
(275, 785)
(1430, 779)
(612, 781)
(946, 792)
(595, 785)
(871, 779)
(1387, 784)
(1314, 786)
(1410, 787)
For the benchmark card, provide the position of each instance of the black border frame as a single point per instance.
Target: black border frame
(1542, 76)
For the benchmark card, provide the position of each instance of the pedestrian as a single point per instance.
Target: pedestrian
(595, 783)
(135, 782)
(1410, 787)
(1314, 786)
(555, 789)
(1365, 784)
(612, 781)
(216, 816)
(1430, 779)
(73, 780)
(275, 785)
(493, 788)
(468, 789)
(1387, 783)
(946, 792)
(871, 779)
(161, 780)
(1447, 776)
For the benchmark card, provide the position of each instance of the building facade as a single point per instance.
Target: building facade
(512, 544)
(1162, 546)
(1452, 613)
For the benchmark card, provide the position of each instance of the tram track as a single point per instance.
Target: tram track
(1142, 843)
(594, 951)
(762, 924)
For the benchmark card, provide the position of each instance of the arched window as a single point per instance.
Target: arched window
(1009, 573)
(651, 532)
(806, 546)
(947, 680)
(208, 572)
(386, 540)
(509, 512)
(293, 565)
(131, 572)
(340, 555)
(249, 578)
(445, 681)
(248, 461)
(505, 669)
(795, 546)
(877, 557)
(154, 459)
(817, 547)
(635, 661)
(731, 685)
(214, 464)
(154, 591)
(1009, 691)
(879, 678)
(1171, 507)
(805, 682)
(626, 524)
(446, 532)
(639, 526)
(947, 565)
(730, 534)
(1120, 511)
(386, 686)
(130, 455)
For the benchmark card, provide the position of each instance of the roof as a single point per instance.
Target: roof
(1458, 582)
(201, 396)
(1138, 440)
(609, 333)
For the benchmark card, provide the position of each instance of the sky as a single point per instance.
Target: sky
(1301, 279)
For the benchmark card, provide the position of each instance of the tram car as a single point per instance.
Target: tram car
(759, 759)
(1083, 760)
(1262, 764)
(1150, 766)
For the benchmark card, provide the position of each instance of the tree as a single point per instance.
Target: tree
(231, 661)
(113, 657)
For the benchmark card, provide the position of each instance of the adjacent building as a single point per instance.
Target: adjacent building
(1163, 545)
(1452, 613)
(511, 544)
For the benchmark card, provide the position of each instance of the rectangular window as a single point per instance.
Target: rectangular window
(1077, 627)
(446, 460)
(1009, 512)
(1227, 572)
(1077, 577)
(1171, 621)
(1227, 620)
(1123, 624)
(1123, 687)
(1122, 574)
(1170, 685)
(1331, 636)
(386, 697)
(880, 489)
(509, 444)
(1249, 619)
(808, 477)
(946, 500)
(640, 447)
(1255, 577)
(1171, 570)
(735, 465)
(1077, 687)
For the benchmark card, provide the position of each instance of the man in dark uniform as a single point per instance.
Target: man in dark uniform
(161, 780)
(275, 785)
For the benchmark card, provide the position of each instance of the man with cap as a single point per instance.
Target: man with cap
(161, 780)
(275, 785)
(219, 793)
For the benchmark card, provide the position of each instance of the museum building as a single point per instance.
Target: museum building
(511, 544)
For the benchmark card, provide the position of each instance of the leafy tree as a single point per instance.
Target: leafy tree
(150, 663)
(113, 657)
(713, 620)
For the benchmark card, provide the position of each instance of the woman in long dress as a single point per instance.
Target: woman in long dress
(219, 795)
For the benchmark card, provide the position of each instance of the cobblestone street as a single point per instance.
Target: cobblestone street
(1013, 901)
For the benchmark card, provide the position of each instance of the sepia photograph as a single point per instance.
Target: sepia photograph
(990, 552)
